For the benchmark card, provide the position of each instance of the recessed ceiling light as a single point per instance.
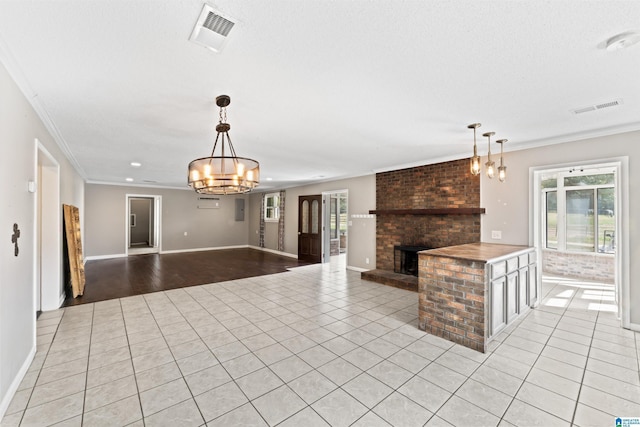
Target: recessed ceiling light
(623, 40)
(136, 164)
(269, 179)
(129, 179)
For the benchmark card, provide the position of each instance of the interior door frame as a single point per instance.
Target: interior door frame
(47, 263)
(157, 222)
(321, 213)
(622, 262)
(326, 223)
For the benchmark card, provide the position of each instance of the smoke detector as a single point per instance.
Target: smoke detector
(211, 29)
(623, 40)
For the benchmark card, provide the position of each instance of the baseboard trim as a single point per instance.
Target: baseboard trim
(63, 297)
(217, 248)
(13, 388)
(634, 327)
(273, 251)
(212, 248)
(95, 257)
(358, 269)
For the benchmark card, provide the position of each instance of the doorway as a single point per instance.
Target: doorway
(310, 228)
(143, 224)
(335, 230)
(48, 219)
(578, 228)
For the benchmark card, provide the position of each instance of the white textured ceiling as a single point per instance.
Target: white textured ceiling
(319, 89)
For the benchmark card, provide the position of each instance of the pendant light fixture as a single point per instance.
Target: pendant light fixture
(502, 169)
(226, 173)
(491, 165)
(475, 160)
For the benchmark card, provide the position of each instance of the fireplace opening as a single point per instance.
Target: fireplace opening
(405, 259)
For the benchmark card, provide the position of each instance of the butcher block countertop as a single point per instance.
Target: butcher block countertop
(483, 252)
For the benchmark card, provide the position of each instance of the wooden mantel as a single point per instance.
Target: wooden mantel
(432, 211)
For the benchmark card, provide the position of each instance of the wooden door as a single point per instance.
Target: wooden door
(310, 228)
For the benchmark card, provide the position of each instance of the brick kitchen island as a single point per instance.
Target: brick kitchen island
(469, 293)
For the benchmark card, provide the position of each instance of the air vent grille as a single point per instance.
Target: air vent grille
(212, 29)
(217, 24)
(608, 104)
(584, 110)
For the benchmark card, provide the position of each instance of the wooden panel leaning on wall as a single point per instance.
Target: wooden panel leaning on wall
(74, 248)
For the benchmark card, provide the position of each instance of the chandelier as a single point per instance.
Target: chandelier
(490, 165)
(226, 173)
(475, 160)
(502, 169)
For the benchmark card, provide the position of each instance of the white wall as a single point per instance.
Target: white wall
(19, 126)
(507, 204)
(362, 231)
(206, 228)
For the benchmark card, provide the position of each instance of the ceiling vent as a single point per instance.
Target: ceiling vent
(212, 29)
(601, 106)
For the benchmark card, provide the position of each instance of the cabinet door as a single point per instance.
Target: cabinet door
(533, 285)
(523, 288)
(512, 296)
(498, 318)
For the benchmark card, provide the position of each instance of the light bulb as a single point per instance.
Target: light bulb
(475, 165)
(240, 169)
(207, 171)
(502, 173)
(490, 169)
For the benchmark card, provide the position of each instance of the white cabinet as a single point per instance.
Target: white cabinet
(498, 294)
(512, 288)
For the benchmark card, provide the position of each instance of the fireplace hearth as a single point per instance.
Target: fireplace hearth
(405, 259)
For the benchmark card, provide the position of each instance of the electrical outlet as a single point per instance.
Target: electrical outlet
(185, 233)
(496, 234)
(366, 260)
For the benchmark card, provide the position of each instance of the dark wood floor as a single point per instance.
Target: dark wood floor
(141, 274)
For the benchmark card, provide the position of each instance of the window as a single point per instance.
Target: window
(272, 207)
(579, 211)
(552, 219)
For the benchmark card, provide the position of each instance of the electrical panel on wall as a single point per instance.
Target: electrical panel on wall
(208, 202)
(239, 210)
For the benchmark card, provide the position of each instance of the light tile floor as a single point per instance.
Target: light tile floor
(316, 347)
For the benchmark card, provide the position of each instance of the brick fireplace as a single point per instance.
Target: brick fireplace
(433, 206)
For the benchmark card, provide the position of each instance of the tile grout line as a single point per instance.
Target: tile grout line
(133, 368)
(584, 372)
(24, 411)
(155, 319)
(315, 369)
(344, 299)
(210, 351)
(86, 378)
